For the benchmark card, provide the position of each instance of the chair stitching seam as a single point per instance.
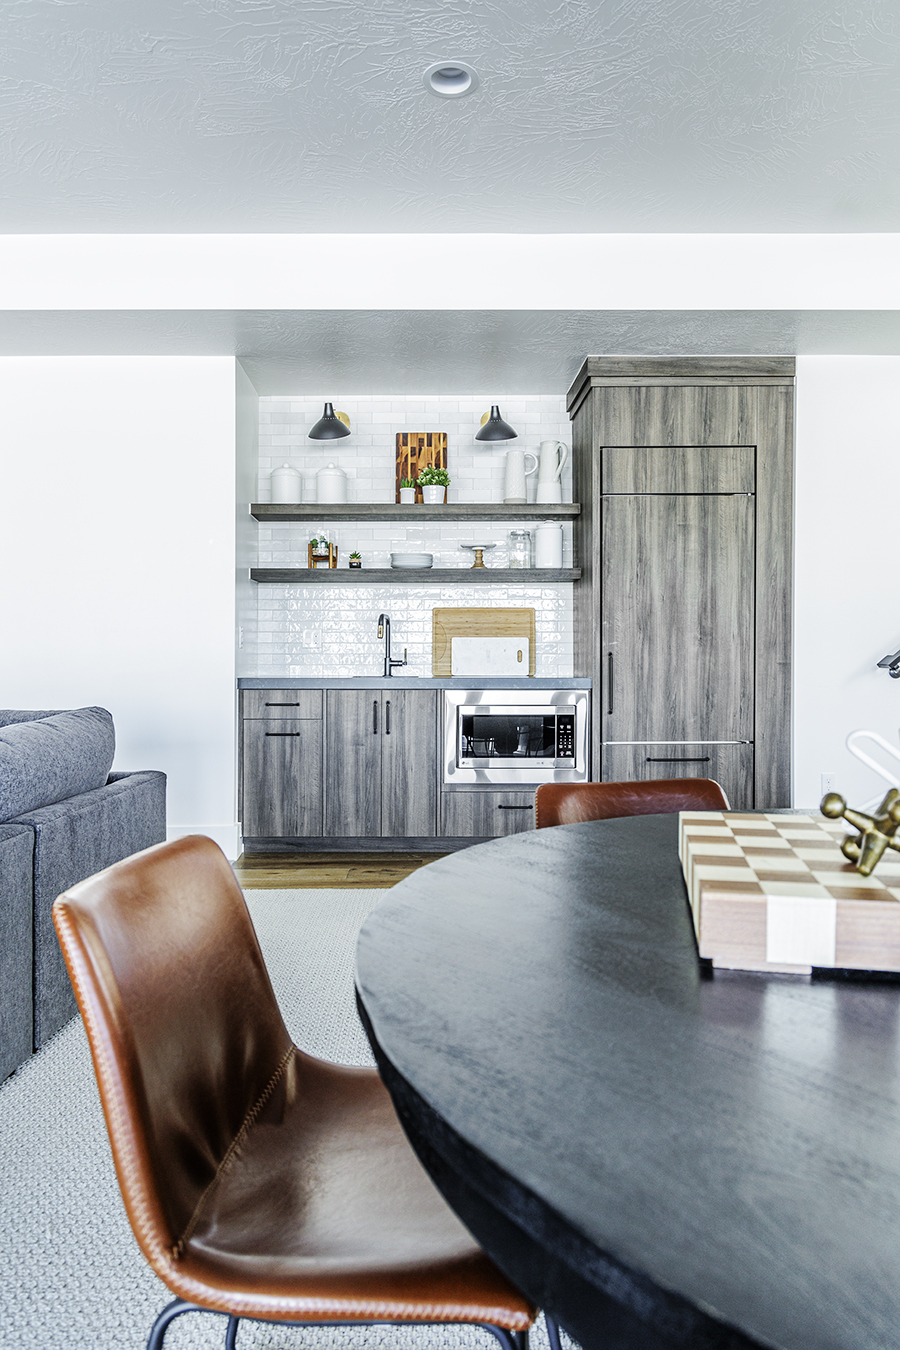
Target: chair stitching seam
(178, 1249)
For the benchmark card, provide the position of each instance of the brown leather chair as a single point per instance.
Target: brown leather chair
(260, 1182)
(570, 803)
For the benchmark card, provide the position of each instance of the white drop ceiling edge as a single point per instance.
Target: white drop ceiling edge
(441, 352)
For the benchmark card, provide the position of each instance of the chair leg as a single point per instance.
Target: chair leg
(510, 1340)
(231, 1333)
(553, 1332)
(168, 1314)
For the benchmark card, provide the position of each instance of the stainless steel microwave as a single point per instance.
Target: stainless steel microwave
(510, 737)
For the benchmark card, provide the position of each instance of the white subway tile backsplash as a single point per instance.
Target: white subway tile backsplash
(330, 631)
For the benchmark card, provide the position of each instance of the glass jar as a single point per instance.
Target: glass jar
(521, 549)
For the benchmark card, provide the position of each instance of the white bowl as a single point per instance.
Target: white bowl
(412, 559)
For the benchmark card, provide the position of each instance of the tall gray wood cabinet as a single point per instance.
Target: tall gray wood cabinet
(381, 763)
(683, 467)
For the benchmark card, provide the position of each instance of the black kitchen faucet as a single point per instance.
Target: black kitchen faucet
(384, 630)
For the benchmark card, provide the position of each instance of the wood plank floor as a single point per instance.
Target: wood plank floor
(344, 871)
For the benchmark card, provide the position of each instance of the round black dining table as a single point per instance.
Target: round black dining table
(659, 1156)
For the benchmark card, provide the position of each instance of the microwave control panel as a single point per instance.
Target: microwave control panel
(565, 736)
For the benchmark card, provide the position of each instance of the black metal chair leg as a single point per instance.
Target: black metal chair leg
(510, 1340)
(168, 1314)
(231, 1333)
(552, 1332)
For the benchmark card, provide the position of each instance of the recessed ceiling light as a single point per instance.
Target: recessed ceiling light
(450, 79)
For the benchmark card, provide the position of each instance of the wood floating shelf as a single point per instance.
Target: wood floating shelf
(276, 511)
(418, 576)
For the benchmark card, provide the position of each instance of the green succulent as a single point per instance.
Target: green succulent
(407, 482)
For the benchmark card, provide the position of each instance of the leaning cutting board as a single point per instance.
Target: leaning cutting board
(489, 656)
(482, 622)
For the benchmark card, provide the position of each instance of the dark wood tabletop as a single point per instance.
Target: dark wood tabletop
(659, 1157)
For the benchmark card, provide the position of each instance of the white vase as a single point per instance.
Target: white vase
(433, 495)
(408, 495)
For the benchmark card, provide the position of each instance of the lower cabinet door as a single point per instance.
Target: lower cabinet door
(485, 815)
(282, 778)
(730, 765)
(353, 737)
(409, 766)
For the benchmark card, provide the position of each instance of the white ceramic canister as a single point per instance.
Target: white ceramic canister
(331, 484)
(286, 485)
(548, 545)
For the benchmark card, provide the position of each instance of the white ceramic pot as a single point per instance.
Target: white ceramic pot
(433, 495)
(553, 457)
(548, 545)
(331, 484)
(408, 496)
(286, 485)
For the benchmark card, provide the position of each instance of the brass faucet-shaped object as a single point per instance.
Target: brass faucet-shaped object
(876, 833)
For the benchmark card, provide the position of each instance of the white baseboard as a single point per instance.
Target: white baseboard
(228, 837)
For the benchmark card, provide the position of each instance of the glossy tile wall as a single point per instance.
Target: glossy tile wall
(331, 630)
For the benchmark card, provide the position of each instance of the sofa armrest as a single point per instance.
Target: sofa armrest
(16, 946)
(74, 839)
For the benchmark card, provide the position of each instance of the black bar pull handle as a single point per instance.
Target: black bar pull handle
(282, 705)
(387, 718)
(282, 733)
(375, 717)
(609, 684)
(515, 808)
(680, 759)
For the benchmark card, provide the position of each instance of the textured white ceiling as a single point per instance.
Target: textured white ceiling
(307, 115)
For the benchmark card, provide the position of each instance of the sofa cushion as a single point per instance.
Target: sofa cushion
(52, 758)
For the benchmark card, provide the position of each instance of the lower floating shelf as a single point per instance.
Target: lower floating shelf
(419, 576)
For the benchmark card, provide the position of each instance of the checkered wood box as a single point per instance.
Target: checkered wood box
(774, 892)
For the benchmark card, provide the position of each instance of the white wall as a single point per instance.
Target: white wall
(847, 613)
(118, 558)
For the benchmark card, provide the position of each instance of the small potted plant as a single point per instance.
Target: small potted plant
(407, 491)
(434, 483)
(355, 560)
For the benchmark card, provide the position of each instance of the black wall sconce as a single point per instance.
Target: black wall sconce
(329, 426)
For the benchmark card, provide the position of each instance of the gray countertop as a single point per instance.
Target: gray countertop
(411, 682)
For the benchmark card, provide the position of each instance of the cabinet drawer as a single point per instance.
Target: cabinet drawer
(269, 703)
(282, 778)
(730, 765)
(486, 815)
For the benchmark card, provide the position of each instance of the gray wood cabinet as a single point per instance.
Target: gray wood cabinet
(486, 815)
(281, 777)
(381, 757)
(683, 618)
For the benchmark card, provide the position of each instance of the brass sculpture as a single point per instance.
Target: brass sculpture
(876, 833)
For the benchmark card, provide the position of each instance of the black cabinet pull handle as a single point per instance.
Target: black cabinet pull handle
(375, 717)
(609, 683)
(387, 718)
(680, 759)
(282, 705)
(515, 808)
(282, 733)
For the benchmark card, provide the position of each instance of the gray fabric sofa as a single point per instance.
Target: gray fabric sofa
(63, 816)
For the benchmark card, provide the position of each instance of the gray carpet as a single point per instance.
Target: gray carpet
(71, 1273)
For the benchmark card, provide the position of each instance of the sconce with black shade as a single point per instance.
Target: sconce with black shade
(329, 426)
(495, 429)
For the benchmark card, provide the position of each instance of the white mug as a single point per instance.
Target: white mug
(514, 493)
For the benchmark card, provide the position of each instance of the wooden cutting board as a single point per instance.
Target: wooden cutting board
(483, 622)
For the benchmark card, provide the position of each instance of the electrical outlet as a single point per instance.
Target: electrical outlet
(828, 781)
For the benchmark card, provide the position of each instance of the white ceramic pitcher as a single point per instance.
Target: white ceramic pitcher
(514, 493)
(553, 457)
